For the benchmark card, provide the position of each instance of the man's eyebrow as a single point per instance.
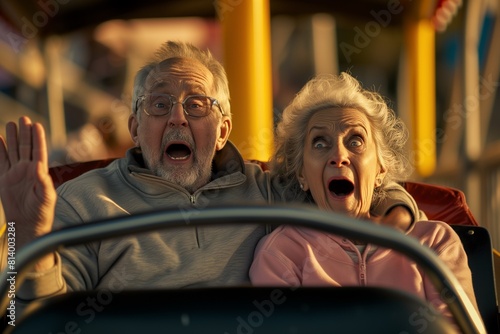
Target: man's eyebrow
(195, 89)
(198, 88)
(156, 85)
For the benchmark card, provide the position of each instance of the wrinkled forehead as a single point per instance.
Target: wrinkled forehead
(180, 73)
(339, 119)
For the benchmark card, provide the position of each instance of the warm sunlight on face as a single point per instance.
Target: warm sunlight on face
(175, 146)
(340, 161)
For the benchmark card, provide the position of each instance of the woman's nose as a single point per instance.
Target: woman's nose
(339, 156)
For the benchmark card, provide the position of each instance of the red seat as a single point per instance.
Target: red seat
(441, 203)
(438, 202)
(63, 173)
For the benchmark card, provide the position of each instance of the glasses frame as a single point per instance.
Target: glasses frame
(174, 101)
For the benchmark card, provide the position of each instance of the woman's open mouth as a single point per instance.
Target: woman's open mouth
(341, 187)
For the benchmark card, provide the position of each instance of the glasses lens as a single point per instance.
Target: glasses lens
(161, 104)
(197, 106)
(158, 104)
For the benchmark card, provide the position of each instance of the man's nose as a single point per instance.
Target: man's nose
(177, 116)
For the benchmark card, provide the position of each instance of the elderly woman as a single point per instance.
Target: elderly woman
(338, 146)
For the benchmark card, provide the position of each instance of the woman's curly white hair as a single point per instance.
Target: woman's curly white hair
(342, 91)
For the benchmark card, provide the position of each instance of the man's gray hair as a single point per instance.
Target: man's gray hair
(173, 49)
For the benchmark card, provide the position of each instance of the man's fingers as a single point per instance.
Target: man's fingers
(40, 145)
(4, 158)
(25, 144)
(12, 147)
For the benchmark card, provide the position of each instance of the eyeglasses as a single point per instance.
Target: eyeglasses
(162, 104)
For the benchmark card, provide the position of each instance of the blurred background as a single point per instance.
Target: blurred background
(69, 64)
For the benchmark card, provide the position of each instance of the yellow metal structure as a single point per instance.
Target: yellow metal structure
(247, 59)
(420, 39)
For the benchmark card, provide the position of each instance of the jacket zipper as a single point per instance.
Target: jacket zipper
(192, 199)
(362, 273)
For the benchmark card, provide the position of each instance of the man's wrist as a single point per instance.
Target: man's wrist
(45, 263)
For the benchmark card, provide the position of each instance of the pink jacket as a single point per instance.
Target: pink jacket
(292, 256)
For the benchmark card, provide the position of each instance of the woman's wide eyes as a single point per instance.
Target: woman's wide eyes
(355, 142)
(319, 143)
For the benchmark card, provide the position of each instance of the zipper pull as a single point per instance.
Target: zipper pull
(362, 274)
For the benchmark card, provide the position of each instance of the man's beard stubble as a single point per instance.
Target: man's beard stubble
(191, 178)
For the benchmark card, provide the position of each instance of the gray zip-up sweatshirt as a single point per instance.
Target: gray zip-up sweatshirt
(173, 258)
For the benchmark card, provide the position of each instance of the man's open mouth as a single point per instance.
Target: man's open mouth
(178, 151)
(341, 187)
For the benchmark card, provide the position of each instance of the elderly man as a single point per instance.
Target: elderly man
(180, 124)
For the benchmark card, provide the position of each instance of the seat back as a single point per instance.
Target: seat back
(63, 173)
(441, 203)
(449, 205)
(477, 244)
(234, 310)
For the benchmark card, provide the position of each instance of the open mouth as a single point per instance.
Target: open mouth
(178, 151)
(341, 187)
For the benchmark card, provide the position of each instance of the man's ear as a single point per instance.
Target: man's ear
(133, 128)
(224, 131)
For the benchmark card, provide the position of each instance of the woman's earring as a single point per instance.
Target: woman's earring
(301, 186)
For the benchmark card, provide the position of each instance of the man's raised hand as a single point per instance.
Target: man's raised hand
(26, 189)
